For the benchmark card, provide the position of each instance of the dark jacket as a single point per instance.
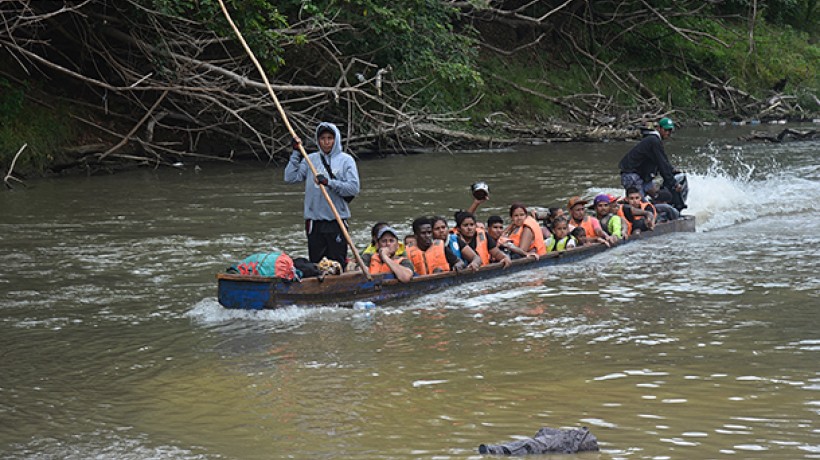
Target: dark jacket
(647, 159)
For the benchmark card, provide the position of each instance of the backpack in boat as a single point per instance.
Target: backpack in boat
(276, 264)
(308, 268)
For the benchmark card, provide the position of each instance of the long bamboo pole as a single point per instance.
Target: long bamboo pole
(293, 134)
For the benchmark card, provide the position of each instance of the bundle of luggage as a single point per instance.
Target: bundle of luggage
(280, 265)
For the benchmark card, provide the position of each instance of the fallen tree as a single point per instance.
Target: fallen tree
(783, 136)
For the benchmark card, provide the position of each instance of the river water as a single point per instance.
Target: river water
(692, 346)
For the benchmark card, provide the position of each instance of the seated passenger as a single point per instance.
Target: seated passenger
(580, 236)
(523, 237)
(616, 208)
(441, 231)
(495, 227)
(373, 247)
(429, 255)
(580, 219)
(477, 240)
(638, 212)
(549, 221)
(387, 260)
(609, 222)
(663, 204)
(560, 239)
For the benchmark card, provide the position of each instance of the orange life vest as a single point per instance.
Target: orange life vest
(624, 219)
(589, 227)
(378, 267)
(537, 237)
(426, 262)
(644, 205)
(480, 243)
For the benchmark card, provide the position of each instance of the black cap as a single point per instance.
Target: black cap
(323, 129)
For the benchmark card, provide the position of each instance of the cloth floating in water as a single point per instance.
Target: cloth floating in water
(546, 441)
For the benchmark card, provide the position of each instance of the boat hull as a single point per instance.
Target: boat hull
(259, 292)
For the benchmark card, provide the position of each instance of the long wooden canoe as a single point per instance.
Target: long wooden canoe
(260, 292)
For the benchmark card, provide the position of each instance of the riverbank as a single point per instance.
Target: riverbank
(155, 88)
(92, 159)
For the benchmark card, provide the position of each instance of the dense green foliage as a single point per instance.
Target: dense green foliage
(261, 20)
(780, 54)
(803, 15)
(413, 37)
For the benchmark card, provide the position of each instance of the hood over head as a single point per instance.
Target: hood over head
(337, 143)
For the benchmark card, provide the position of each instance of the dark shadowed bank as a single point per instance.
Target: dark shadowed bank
(101, 85)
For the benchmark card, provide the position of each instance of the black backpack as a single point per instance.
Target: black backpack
(308, 268)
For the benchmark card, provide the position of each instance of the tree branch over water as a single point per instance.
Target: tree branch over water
(164, 80)
(201, 83)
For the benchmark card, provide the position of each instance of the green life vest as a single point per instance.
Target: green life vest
(559, 245)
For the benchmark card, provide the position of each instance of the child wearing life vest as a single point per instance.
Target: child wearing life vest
(549, 220)
(580, 236)
(495, 229)
(560, 239)
(616, 208)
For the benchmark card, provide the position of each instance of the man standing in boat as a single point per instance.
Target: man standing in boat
(338, 174)
(648, 158)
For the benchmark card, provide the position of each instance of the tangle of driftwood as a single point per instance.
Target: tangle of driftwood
(161, 89)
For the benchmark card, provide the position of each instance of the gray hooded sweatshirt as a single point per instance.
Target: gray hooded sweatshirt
(346, 182)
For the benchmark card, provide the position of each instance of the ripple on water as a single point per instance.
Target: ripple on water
(101, 444)
(751, 447)
(598, 422)
(680, 442)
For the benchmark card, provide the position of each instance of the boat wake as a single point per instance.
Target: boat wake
(732, 190)
(209, 311)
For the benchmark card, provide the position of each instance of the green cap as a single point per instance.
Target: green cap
(666, 123)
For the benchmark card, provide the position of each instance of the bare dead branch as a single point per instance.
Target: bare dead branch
(9, 176)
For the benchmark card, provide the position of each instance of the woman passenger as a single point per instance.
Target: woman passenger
(442, 232)
(478, 240)
(523, 237)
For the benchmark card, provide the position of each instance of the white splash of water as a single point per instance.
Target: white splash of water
(733, 190)
(209, 311)
(737, 185)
